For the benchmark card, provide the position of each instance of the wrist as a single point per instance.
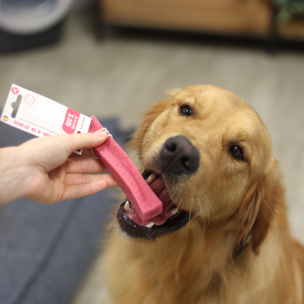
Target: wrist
(10, 177)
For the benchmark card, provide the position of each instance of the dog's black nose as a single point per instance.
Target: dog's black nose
(178, 155)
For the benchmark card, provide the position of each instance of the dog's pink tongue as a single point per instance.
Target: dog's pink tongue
(159, 188)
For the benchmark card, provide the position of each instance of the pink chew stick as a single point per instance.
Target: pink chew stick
(120, 166)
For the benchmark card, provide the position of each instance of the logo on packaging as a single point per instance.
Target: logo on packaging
(29, 99)
(5, 118)
(15, 90)
(70, 121)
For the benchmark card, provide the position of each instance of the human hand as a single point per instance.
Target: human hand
(45, 170)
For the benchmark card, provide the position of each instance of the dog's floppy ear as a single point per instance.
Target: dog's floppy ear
(260, 205)
(147, 119)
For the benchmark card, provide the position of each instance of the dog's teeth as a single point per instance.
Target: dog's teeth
(127, 206)
(149, 225)
(174, 211)
(151, 178)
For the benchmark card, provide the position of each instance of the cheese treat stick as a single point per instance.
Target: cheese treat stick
(120, 166)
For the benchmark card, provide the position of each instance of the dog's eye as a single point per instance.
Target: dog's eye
(237, 152)
(185, 110)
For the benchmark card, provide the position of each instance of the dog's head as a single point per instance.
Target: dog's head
(207, 154)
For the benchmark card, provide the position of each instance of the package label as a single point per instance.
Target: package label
(41, 116)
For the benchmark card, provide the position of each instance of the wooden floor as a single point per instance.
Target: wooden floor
(121, 76)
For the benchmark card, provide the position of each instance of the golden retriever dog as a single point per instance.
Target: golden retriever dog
(223, 235)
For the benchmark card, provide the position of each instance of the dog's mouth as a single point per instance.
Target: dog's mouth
(170, 220)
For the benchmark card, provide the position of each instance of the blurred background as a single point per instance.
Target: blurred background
(113, 58)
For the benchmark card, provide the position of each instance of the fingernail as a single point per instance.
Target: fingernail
(102, 133)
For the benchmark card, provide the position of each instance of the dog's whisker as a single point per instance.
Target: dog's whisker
(197, 96)
(189, 217)
(201, 239)
(180, 191)
(145, 140)
(190, 211)
(199, 203)
(151, 130)
(204, 219)
(143, 154)
(206, 208)
(173, 199)
(143, 128)
(180, 203)
(190, 81)
(176, 199)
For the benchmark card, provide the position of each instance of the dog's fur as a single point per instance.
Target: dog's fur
(231, 200)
